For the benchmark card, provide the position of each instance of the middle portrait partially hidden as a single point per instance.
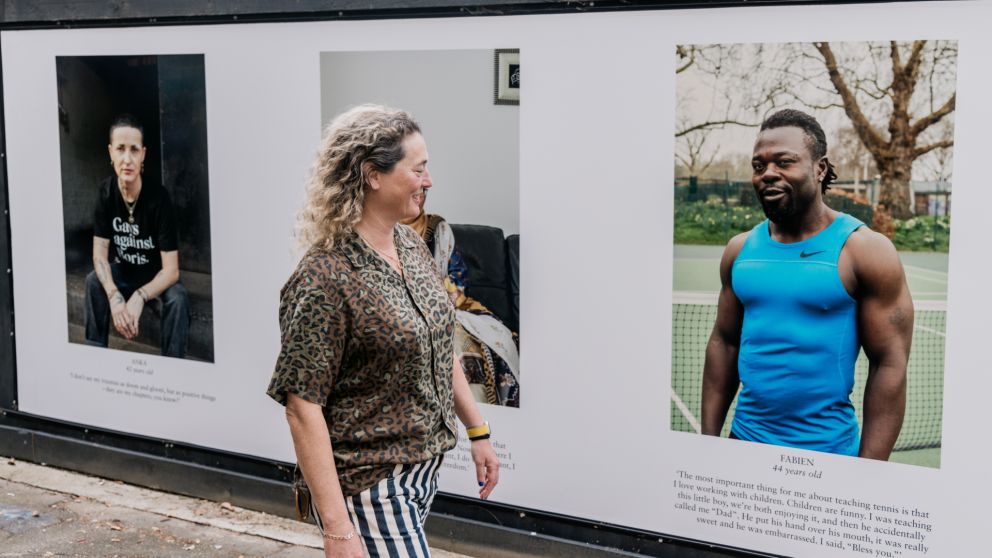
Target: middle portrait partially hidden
(470, 217)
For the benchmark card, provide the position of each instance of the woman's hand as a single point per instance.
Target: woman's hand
(336, 548)
(486, 467)
(316, 458)
(133, 311)
(483, 455)
(344, 549)
(119, 314)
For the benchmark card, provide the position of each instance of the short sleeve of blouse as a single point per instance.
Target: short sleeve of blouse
(313, 327)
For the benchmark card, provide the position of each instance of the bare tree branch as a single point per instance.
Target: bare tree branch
(894, 55)
(805, 102)
(685, 52)
(943, 144)
(934, 117)
(713, 124)
(913, 63)
(866, 132)
(876, 96)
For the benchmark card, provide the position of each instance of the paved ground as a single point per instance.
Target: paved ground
(49, 512)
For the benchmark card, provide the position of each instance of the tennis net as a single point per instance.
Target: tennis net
(692, 321)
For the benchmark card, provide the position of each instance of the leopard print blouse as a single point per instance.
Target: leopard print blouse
(375, 350)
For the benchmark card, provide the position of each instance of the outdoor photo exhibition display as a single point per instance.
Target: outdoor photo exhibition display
(597, 415)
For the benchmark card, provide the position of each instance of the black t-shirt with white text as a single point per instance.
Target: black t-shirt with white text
(136, 246)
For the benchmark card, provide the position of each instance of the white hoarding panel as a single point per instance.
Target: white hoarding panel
(581, 169)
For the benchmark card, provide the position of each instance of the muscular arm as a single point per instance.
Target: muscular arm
(314, 455)
(720, 379)
(486, 462)
(885, 328)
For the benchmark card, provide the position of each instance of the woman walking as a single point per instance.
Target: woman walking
(367, 369)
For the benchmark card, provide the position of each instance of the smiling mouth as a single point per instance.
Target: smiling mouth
(772, 195)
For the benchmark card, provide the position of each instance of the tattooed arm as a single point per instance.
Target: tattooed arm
(166, 277)
(118, 309)
(885, 329)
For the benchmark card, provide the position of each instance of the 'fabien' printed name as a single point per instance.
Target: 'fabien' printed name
(796, 460)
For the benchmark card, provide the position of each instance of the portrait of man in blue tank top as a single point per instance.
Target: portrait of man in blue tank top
(800, 294)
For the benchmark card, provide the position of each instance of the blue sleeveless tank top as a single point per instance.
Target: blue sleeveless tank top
(799, 341)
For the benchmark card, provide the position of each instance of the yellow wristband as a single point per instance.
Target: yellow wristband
(481, 430)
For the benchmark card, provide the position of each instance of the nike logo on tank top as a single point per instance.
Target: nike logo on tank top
(799, 341)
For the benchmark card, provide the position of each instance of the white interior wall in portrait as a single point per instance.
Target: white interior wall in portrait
(591, 439)
(474, 144)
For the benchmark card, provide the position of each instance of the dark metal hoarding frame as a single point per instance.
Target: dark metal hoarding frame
(264, 484)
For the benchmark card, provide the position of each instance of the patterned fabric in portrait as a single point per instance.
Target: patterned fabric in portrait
(489, 350)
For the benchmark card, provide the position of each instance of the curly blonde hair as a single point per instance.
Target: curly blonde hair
(364, 138)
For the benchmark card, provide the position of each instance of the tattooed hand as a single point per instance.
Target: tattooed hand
(119, 313)
(134, 307)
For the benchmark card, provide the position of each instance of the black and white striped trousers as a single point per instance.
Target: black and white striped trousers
(390, 516)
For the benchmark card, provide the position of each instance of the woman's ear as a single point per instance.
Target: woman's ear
(371, 176)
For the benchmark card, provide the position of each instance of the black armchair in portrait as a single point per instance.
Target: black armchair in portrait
(493, 276)
(489, 311)
(481, 271)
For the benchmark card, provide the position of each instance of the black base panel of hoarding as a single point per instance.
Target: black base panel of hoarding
(8, 379)
(61, 14)
(249, 482)
(483, 529)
